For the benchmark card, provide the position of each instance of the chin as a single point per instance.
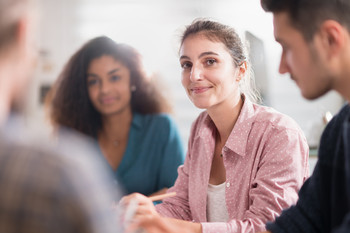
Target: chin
(201, 105)
(314, 95)
(106, 112)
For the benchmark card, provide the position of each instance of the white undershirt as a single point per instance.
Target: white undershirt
(216, 203)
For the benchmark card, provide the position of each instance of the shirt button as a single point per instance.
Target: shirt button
(227, 184)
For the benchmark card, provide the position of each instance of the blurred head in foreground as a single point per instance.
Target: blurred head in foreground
(17, 52)
(44, 187)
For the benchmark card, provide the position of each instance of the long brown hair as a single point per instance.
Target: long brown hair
(225, 34)
(68, 102)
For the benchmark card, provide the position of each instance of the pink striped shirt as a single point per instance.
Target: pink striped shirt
(266, 161)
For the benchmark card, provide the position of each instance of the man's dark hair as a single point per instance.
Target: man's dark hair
(308, 15)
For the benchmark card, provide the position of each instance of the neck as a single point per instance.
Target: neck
(116, 126)
(342, 85)
(342, 82)
(5, 92)
(225, 117)
(344, 90)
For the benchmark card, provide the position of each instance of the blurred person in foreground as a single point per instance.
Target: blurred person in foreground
(44, 187)
(315, 40)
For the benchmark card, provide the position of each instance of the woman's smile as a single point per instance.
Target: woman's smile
(199, 90)
(108, 100)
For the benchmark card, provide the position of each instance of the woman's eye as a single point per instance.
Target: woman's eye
(186, 65)
(91, 82)
(114, 78)
(210, 61)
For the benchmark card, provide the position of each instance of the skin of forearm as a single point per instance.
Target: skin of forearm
(159, 192)
(186, 226)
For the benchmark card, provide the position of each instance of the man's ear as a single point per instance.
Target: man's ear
(333, 37)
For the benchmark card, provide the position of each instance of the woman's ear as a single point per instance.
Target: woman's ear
(241, 72)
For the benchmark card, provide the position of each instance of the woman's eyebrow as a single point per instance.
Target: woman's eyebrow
(207, 53)
(113, 71)
(201, 55)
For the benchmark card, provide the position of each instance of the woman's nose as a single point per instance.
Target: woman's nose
(104, 86)
(196, 74)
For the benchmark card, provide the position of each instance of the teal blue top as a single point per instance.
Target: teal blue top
(152, 156)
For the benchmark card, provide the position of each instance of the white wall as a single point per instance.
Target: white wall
(153, 27)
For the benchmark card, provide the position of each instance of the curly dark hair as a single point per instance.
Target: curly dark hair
(307, 15)
(68, 101)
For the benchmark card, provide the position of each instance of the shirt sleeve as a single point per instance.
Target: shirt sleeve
(282, 169)
(345, 227)
(306, 215)
(178, 206)
(322, 204)
(173, 155)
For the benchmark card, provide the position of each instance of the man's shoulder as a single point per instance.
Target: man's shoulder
(338, 120)
(331, 136)
(344, 112)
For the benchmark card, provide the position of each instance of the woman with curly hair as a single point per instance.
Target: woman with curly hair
(104, 92)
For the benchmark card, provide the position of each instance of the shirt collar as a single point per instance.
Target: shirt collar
(208, 129)
(241, 129)
(136, 121)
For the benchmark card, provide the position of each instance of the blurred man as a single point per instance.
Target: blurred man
(315, 40)
(43, 189)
